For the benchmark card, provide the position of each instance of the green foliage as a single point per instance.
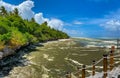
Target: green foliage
(18, 38)
(20, 25)
(5, 37)
(30, 38)
(15, 31)
(2, 44)
(4, 25)
(3, 29)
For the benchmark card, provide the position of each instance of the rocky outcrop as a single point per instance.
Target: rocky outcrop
(9, 51)
(1, 55)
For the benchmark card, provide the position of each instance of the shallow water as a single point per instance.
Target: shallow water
(56, 58)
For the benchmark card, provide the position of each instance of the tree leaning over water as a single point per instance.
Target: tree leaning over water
(15, 31)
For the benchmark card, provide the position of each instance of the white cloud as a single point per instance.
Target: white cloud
(53, 23)
(25, 10)
(73, 32)
(77, 22)
(113, 21)
(115, 15)
(97, 21)
(113, 25)
(110, 21)
(8, 6)
(40, 19)
(56, 23)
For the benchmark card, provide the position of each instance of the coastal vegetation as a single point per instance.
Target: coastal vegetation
(16, 32)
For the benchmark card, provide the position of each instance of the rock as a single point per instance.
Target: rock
(7, 51)
(26, 50)
(1, 55)
(118, 76)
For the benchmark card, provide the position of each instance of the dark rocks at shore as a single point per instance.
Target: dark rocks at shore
(13, 58)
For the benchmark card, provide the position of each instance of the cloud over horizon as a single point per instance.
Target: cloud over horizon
(25, 10)
(112, 25)
(110, 21)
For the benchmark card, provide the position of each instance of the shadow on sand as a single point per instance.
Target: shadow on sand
(17, 59)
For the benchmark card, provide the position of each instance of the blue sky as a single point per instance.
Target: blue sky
(78, 18)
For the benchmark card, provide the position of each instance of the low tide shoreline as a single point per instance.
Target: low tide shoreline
(51, 59)
(8, 51)
(16, 59)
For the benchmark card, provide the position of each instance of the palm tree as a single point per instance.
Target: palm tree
(10, 13)
(45, 23)
(16, 12)
(3, 11)
(32, 20)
